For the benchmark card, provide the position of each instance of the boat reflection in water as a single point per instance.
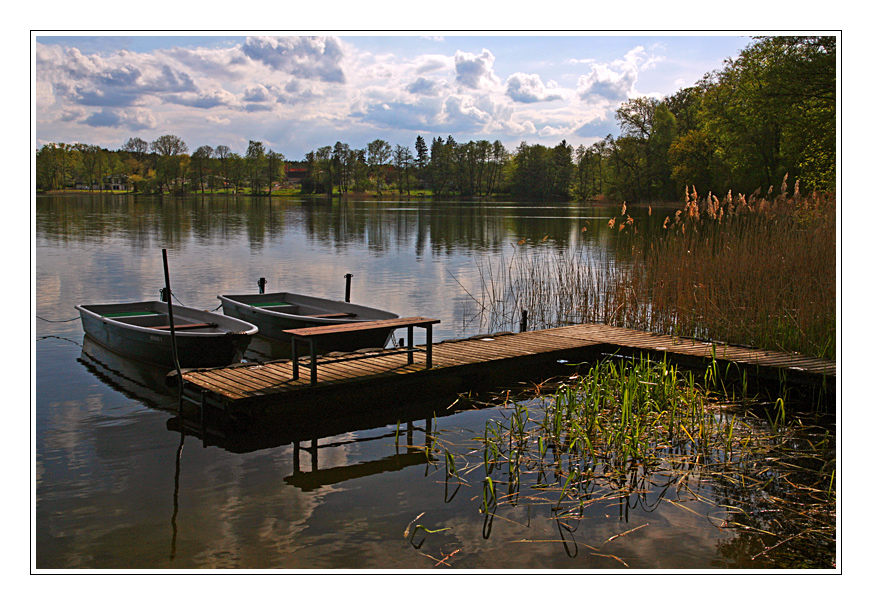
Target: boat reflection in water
(136, 379)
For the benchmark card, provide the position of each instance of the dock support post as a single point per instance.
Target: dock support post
(348, 277)
(523, 321)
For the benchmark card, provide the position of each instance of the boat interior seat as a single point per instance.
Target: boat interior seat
(145, 321)
(292, 309)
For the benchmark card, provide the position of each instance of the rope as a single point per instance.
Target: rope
(184, 305)
(59, 338)
(57, 321)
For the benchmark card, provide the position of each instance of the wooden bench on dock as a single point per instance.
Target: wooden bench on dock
(311, 335)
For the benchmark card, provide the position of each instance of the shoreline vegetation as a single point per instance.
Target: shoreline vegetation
(757, 271)
(769, 112)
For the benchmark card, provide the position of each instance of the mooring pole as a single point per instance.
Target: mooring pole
(169, 295)
(524, 320)
(348, 277)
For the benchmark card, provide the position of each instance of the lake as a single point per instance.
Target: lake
(121, 484)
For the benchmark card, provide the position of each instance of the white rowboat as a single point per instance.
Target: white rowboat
(277, 311)
(141, 330)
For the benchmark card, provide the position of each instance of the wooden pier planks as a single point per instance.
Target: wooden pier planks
(250, 382)
(683, 346)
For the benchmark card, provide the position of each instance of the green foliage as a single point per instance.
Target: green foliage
(542, 172)
(772, 111)
(692, 158)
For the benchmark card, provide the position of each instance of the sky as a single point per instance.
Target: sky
(298, 93)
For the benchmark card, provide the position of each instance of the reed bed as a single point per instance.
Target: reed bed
(634, 435)
(758, 271)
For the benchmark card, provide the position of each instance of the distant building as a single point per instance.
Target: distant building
(116, 182)
(294, 175)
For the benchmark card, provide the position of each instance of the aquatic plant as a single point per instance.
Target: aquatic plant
(635, 434)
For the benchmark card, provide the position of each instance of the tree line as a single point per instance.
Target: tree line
(160, 166)
(770, 112)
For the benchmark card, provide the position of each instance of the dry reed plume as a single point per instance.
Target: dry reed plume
(757, 270)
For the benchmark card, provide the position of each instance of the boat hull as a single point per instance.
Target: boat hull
(278, 311)
(131, 329)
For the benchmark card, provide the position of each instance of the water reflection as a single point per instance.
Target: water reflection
(134, 379)
(442, 227)
(315, 455)
(124, 481)
(326, 486)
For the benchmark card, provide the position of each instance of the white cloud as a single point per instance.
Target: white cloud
(428, 87)
(529, 88)
(613, 83)
(462, 112)
(293, 90)
(475, 71)
(425, 64)
(135, 119)
(256, 94)
(309, 57)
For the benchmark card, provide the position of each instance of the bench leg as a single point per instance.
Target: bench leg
(313, 372)
(313, 362)
(294, 358)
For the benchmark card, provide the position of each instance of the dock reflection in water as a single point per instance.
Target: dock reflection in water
(402, 431)
(148, 385)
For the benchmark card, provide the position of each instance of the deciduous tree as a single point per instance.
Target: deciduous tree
(200, 165)
(378, 154)
(170, 150)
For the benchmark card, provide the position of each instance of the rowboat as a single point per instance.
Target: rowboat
(141, 330)
(277, 311)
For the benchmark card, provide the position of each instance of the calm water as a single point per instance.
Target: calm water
(119, 484)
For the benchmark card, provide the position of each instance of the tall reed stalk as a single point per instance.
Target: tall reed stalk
(759, 271)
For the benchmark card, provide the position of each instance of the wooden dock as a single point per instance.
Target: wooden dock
(477, 363)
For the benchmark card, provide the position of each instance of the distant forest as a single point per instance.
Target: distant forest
(767, 113)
